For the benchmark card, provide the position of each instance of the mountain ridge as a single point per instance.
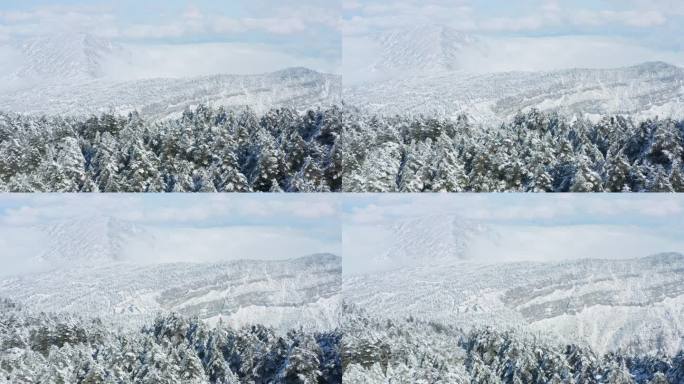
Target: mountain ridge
(641, 91)
(303, 291)
(610, 304)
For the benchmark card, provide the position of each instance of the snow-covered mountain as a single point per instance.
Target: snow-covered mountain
(284, 294)
(635, 304)
(299, 88)
(448, 241)
(641, 91)
(93, 240)
(81, 74)
(65, 57)
(422, 48)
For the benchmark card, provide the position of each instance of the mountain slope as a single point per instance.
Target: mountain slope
(298, 88)
(82, 74)
(642, 91)
(635, 304)
(284, 294)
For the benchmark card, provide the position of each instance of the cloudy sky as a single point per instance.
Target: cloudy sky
(531, 34)
(530, 227)
(201, 228)
(236, 36)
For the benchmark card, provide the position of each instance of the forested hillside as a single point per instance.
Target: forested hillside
(536, 152)
(205, 150)
(338, 149)
(47, 348)
(413, 351)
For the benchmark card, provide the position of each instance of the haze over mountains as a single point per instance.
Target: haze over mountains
(81, 74)
(64, 57)
(431, 70)
(437, 71)
(98, 240)
(90, 268)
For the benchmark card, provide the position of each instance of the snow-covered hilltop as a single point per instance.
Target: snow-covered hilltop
(439, 271)
(284, 294)
(80, 74)
(438, 72)
(92, 267)
(633, 304)
(643, 91)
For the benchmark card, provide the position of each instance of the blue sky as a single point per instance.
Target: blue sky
(308, 30)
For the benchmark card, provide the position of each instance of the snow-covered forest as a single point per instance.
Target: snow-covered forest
(49, 348)
(414, 351)
(536, 152)
(204, 150)
(337, 149)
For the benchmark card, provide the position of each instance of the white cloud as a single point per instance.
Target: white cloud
(557, 243)
(198, 228)
(366, 248)
(228, 243)
(508, 208)
(154, 210)
(373, 16)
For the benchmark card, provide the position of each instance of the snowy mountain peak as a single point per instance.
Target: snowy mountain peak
(441, 238)
(94, 240)
(422, 48)
(65, 56)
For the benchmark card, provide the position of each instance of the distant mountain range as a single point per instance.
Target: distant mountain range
(66, 57)
(88, 271)
(429, 70)
(418, 70)
(95, 240)
(643, 91)
(284, 294)
(70, 75)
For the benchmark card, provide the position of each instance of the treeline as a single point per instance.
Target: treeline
(51, 348)
(332, 150)
(414, 351)
(536, 152)
(44, 348)
(204, 150)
